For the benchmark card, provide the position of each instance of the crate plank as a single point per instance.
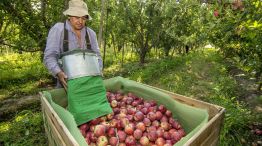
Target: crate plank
(56, 122)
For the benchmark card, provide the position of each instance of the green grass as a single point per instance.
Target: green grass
(26, 129)
(21, 74)
(202, 74)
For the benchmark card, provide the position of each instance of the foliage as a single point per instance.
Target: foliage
(237, 33)
(22, 73)
(25, 129)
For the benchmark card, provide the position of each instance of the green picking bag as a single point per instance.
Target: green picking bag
(87, 98)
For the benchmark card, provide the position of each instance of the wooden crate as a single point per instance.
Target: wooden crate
(208, 135)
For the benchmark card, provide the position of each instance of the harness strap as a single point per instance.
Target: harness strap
(66, 41)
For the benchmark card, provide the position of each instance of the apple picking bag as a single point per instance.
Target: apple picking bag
(191, 118)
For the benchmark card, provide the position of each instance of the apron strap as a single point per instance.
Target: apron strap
(66, 41)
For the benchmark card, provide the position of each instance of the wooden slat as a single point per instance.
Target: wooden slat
(214, 124)
(55, 134)
(55, 121)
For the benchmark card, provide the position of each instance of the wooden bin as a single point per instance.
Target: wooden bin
(208, 135)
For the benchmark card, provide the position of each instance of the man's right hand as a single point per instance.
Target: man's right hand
(62, 78)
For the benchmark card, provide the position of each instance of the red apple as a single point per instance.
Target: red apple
(84, 127)
(183, 133)
(158, 115)
(152, 103)
(147, 122)
(102, 141)
(121, 135)
(169, 142)
(160, 141)
(124, 122)
(165, 125)
(164, 119)
(88, 137)
(134, 103)
(152, 136)
(111, 132)
(138, 134)
(116, 110)
(110, 116)
(139, 116)
(129, 100)
(147, 104)
(92, 128)
(167, 135)
(176, 136)
(139, 107)
(156, 123)
(119, 97)
(122, 144)
(131, 111)
(100, 130)
(113, 123)
(83, 133)
(160, 132)
(172, 131)
(130, 117)
(113, 103)
(216, 13)
(141, 126)
(144, 110)
(151, 116)
(130, 141)
(129, 129)
(144, 141)
(122, 104)
(168, 113)
(162, 109)
(95, 121)
(93, 138)
(123, 110)
(176, 125)
(152, 109)
(113, 141)
(151, 128)
(106, 124)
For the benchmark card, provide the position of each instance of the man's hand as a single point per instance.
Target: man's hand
(62, 78)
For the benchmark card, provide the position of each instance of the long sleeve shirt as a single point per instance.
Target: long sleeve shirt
(54, 45)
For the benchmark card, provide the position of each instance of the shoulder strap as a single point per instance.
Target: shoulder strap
(88, 44)
(65, 42)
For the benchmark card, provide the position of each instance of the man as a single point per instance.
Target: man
(73, 57)
(75, 25)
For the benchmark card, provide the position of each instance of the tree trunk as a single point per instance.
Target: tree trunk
(100, 35)
(142, 55)
(104, 57)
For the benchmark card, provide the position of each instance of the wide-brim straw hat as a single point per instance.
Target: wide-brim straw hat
(77, 8)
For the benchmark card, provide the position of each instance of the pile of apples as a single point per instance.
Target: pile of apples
(134, 122)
